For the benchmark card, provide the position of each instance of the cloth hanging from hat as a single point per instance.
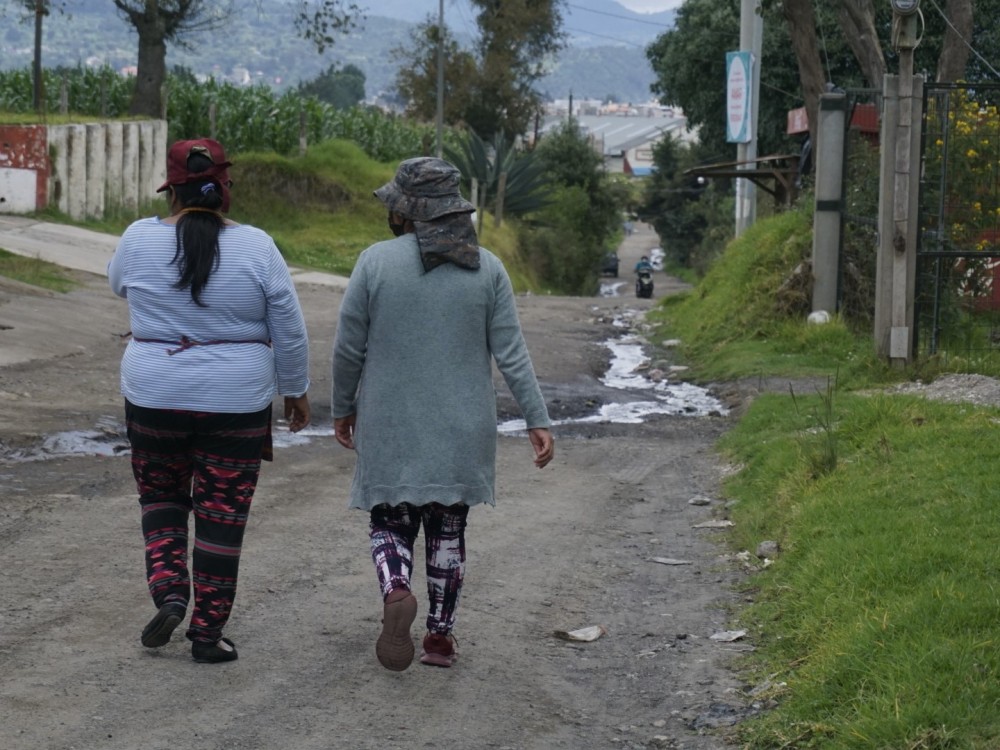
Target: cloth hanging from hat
(449, 239)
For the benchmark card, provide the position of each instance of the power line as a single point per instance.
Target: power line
(605, 36)
(964, 40)
(617, 15)
(465, 20)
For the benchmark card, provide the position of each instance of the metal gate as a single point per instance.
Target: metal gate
(957, 297)
(859, 209)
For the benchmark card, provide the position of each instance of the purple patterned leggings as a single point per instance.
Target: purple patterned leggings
(208, 463)
(393, 531)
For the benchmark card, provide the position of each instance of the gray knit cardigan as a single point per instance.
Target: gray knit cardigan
(413, 358)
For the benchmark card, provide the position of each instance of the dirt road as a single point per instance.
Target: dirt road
(565, 548)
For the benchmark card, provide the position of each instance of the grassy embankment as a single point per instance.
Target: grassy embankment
(877, 624)
(320, 209)
(35, 272)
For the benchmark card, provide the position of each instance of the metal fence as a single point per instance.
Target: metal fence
(957, 296)
(859, 208)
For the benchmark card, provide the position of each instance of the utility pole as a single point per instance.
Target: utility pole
(440, 81)
(752, 40)
(896, 267)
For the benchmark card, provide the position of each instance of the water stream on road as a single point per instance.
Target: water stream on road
(624, 374)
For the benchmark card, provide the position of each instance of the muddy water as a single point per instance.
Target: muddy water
(641, 397)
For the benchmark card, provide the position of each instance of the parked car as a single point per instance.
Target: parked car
(609, 266)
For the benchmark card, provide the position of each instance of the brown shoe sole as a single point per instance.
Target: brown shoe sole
(394, 647)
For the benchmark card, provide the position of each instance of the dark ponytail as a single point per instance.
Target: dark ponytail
(198, 230)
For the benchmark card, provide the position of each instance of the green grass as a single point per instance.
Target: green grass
(880, 613)
(35, 272)
(319, 209)
(735, 322)
(49, 118)
(877, 624)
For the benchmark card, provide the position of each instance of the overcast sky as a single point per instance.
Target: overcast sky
(650, 6)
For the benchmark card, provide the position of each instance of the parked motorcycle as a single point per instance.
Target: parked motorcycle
(644, 284)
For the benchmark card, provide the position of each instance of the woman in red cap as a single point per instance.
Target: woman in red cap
(217, 331)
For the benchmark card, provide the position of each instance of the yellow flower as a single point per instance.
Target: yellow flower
(971, 153)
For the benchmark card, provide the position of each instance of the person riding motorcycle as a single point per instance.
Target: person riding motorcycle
(644, 265)
(644, 278)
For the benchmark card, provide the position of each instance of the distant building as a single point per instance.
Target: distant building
(624, 134)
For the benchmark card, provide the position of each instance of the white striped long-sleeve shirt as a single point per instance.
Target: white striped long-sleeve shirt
(250, 298)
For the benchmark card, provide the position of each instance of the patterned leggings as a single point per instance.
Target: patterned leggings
(393, 531)
(208, 463)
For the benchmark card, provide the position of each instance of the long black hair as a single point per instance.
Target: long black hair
(197, 253)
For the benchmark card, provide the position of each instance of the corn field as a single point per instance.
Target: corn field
(253, 118)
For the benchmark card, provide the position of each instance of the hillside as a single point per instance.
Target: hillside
(605, 54)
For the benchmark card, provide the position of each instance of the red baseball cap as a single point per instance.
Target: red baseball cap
(177, 169)
(177, 157)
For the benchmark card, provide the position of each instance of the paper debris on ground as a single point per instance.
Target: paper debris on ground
(591, 633)
(728, 636)
(713, 525)
(669, 561)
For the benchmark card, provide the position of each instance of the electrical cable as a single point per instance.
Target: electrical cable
(964, 40)
(605, 36)
(617, 15)
(826, 54)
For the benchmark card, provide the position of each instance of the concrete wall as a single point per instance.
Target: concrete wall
(100, 167)
(24, 168)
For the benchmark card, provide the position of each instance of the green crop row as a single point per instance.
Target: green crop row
(245, 118)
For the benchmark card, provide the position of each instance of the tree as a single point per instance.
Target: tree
(516, 36)
(693, 54)
(522, 172)
(807, 45)
(319, 24)
(416, 79)
(954, 50)
(341, 87)
(857, 22)
(802, 30)
(158, 22)
(685, 209)
(569, 237)
(490, 87)
(37, 9)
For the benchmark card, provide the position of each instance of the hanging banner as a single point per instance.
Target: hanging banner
(739, 75)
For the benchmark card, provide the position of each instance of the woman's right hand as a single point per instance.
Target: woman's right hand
(343, 430)
(297, 412)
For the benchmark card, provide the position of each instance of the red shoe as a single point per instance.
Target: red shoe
(394, 647)
(439, 650)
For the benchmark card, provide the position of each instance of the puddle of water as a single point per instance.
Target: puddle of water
(624, 373)
(106, 439)
(627, 357)
(283, 438)
(611, 288)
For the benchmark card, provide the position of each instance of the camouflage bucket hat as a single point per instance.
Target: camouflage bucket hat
(425, 189)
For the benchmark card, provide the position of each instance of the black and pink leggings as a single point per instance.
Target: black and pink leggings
(186, 461)
(393, 533)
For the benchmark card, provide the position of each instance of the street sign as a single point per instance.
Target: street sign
(739, 75)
